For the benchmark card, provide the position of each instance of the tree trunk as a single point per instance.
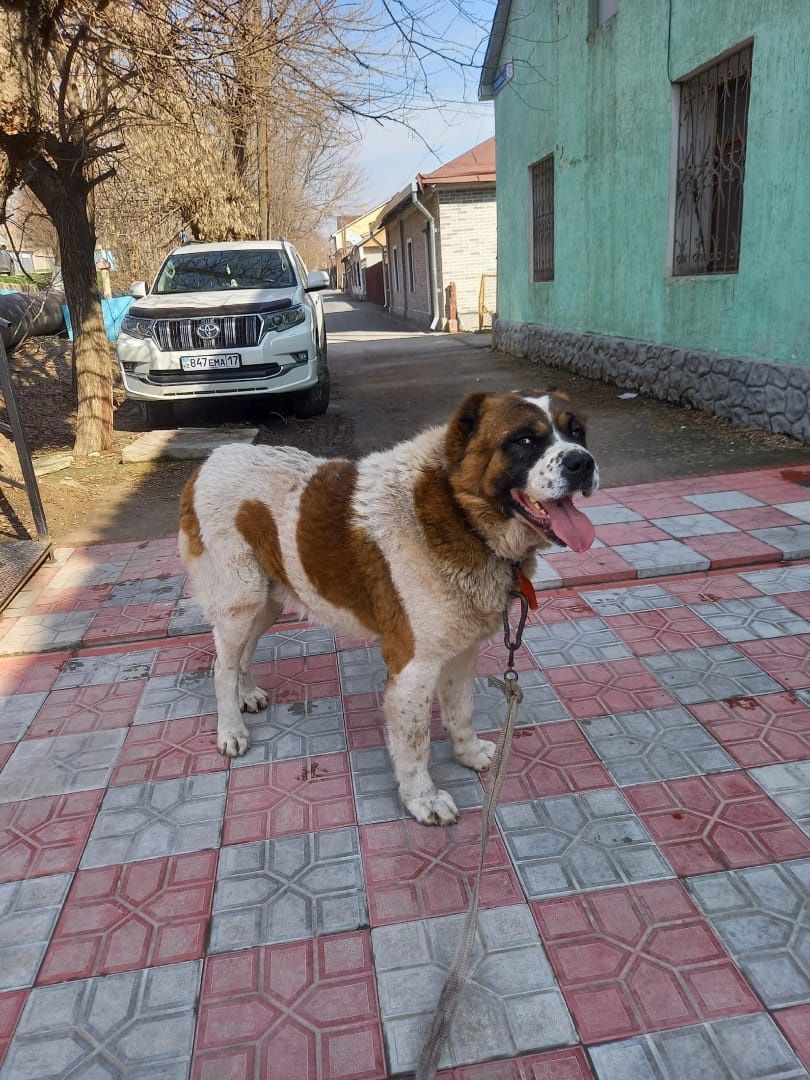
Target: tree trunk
(65, 194)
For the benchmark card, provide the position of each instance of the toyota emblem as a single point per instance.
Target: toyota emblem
(208, 331)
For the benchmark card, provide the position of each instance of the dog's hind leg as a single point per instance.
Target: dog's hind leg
(456, 690)
(251, 698)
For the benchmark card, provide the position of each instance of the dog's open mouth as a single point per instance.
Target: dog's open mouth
(559, 521)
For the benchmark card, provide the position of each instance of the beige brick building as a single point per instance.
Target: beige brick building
(446, 218)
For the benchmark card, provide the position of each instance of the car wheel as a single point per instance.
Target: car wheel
(315, 401)
(157, 414)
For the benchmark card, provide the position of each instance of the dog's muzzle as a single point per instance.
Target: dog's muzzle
(578, 469)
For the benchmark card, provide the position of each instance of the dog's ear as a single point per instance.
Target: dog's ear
(463, 426)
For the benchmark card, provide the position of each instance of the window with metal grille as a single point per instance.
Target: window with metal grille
(712, 136)
(411, 277)
(396, 270)
(542, 175)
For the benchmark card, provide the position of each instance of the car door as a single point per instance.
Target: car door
(313, 298)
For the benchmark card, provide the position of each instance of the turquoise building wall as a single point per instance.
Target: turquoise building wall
(601, 99)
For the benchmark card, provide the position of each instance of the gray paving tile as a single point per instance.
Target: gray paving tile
(16, 713)
(362, 671)
(657, 744)
(693, 525)
(40, 633)
(156, 590)
(59, 765)
(761, 913)
(540, 704)
(171, 697)
(788, 785)
(131, 1026)
(715, 501)
(612, 514)
(188, 618)
(28, 913)
(800, 510)
(113, 668)
(375, 787)
(712, 674)
(79, 575)
(626, 601)
(162, 817)
(582, 641)
(280, 890)
(573, 842)
(296, 729)
(792, 540)
(780, 579)
(740, 1048)
(511, 1005)
(545, 576)
(747, 618)
(658, 557)
(286, 644)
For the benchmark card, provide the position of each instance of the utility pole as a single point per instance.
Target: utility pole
(262, 142)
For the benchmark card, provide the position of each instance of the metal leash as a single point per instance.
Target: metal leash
(458, 974)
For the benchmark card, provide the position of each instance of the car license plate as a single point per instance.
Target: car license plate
(210, 363)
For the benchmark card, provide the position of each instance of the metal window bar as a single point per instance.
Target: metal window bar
(712, 138)
(542, 179)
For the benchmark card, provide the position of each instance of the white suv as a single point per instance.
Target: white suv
(222, 320)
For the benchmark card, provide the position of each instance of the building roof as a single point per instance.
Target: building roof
(474, 166)
(344, 220)
(486, 91)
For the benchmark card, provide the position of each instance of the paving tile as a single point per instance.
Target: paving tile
(45, 836)
(639, 959)
(788, 785)
(617, 686)
(540, 704)
(83, 573)
(172, 697)
(582, 642)
(611, 514)
(60, 765)
(187, 618)
(723, 500)
(281, 890)
(295, 641)
(759, 730)
(113, 667)
(304, 1010)
(288, 797)
(761, 517)
(665, 630)
(574, 842)
(146, 590)
(168, 817)
(555, 607)
(52, 600)
(362, 671)
(795, 1025)
(699, 588)
(6, 750)
(742, 1048)
(737, 549)
(28, 913)
(708, 823)
(144, 914)
(375, 786)
(41, 633)
(30, 674)
(598, 563)
(800, 510)
(634, 532)
(693, 525)
(413, 872)
(11, 1006)
(87, 708)
(654, 505)
(761, 914)
(16, 714)
(712, 674)
(189, 656)
(662, 557)
(780, 579)
(511, 1005)
(792, 540)
(131, 623)
(787, 659)
(798, 602)
(553, 759)
(303, 679)
(657, 744)
(135, 1024)
(168, 750)
(568, 1064)
(545, 576)
(365, 720)
(625, 601)
(297, 729)
(493, 656)
(754, 617)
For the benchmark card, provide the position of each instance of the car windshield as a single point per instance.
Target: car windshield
(218, 271)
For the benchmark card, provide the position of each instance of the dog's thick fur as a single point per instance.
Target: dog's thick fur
(415, 547)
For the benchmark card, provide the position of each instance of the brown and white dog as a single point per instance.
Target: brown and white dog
(415, 547)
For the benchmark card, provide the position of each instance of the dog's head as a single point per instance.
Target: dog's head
(515, 461)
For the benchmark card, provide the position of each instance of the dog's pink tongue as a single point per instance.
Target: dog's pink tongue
(571, 525)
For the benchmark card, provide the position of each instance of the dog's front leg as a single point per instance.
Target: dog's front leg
(456, 690)
(408, 698)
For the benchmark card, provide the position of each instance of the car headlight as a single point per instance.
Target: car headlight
(283, 320)
(137, 328)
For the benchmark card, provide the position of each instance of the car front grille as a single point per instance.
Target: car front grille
(178, 378)
(233, 332)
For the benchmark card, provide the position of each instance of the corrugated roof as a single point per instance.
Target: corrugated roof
(475, 166)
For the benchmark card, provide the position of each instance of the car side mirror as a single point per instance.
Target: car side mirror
(317, 279)
(137, 289)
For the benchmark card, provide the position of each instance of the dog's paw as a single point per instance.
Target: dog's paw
(478, 755)
(252, 699)
(233, 741)
(436, 809)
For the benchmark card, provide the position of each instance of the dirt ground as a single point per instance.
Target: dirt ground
(387, 383)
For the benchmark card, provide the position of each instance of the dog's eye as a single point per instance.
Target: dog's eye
(524, 440)
(575, 430)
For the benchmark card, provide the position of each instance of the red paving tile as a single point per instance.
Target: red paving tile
(795, 1023)
(286, 797)
(365, 721)
(184, 656)
(616, 686)
(493, 655)
(416, 873)
(639, 959)
(720, 822)
(630, 532)
(47, 835)
(301, 679)
(798, 602)
(598, 564)
(550, 759)
(119, 918)
(30, 674)
(306, 1010)
(130, 621)
(732, 549)
(53, 600)
(568, 1064)
(665, 630)
(11, 1005)
(555, 607)
(786, 659)
(6, 750)
(759, 731)
(757, 517)
(652, 504)
(168, 750)
(704, 588)
(87, 708)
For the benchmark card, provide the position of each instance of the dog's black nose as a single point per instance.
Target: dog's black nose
(577, 468)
